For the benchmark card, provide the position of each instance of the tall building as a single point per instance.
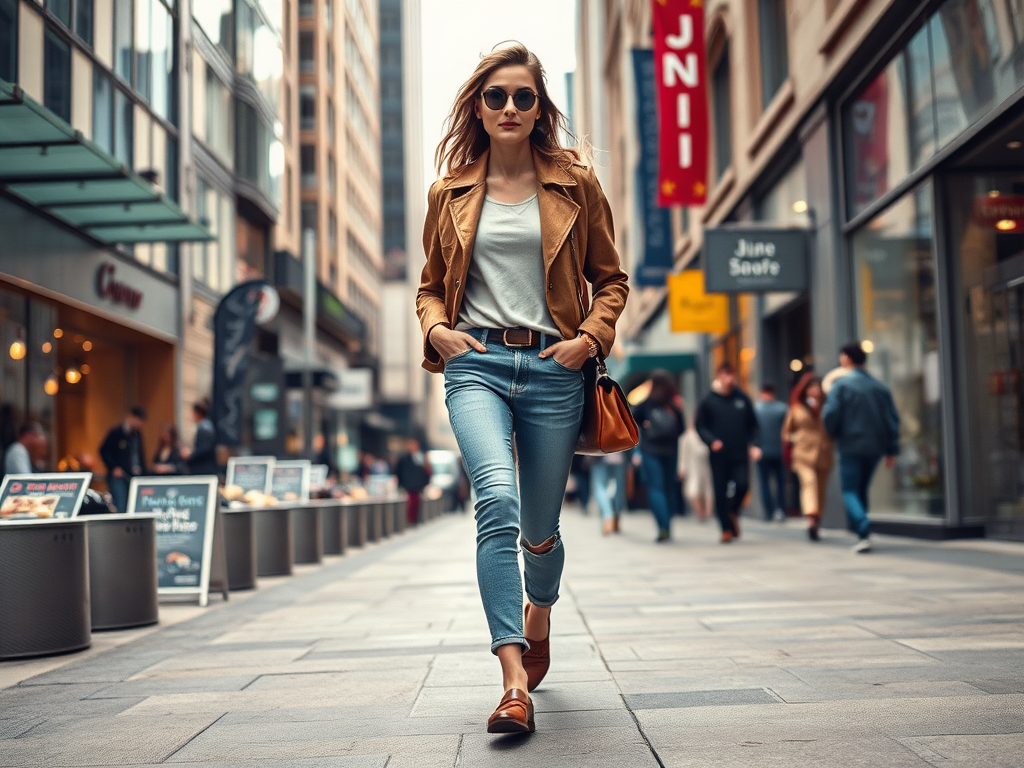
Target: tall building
(891, 131)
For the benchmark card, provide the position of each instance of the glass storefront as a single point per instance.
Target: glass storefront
(896, 308)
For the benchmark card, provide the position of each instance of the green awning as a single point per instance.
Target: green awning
(632, 370)
(51, 166)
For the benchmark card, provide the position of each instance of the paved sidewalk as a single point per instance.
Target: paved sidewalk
(768, 652)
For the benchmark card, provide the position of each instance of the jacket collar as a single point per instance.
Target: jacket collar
(548, 172)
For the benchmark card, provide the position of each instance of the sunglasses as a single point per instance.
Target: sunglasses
(495, 98)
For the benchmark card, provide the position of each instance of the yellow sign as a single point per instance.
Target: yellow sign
(693, 311)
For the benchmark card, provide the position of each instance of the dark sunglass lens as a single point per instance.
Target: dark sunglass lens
(524, 100)
(495, 98)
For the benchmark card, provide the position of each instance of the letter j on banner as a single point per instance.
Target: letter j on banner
(679, 68)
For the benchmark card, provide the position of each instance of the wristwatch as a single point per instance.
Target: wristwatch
(591, 341)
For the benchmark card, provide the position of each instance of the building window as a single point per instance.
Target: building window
(62, 10)
(328, 15)
(124, 34)
(330, 64)
(57, 76)
(307, 107)
(213, 262)
(216, 20)
(219, 136)
(774, 48)
(289, 198)
(154, 56)
(330, 118)
(102, 111)
(287, 112)
(722, 112)
(308, 215)
(84, 20)
(307, 53)
(307, 9)
(124, 128)
(259, 156)
(258, 52)
(9, 40)
(308, 169)
(332, 175)
(332, 235)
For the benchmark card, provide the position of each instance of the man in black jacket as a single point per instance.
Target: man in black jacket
(413, 472)
(727, 423)
(202, 459)
(123, 454)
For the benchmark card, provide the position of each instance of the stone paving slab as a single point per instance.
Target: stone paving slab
(769, 652)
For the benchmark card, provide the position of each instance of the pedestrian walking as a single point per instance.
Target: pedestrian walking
(512, 231)
(812, 454)
(611, 504)
(728, 425)
(28, 448)
(168, 460)
(661, 422)
(860, 415)
(202, 459)
(695, 472)
(122, 452)
(413, 473)
(771, 413)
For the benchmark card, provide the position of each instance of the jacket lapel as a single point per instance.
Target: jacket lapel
(558, 212)
(465, 209)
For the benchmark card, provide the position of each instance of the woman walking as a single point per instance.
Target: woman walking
(695, 472)
(812, 454)
(661, 422)
(512, 232)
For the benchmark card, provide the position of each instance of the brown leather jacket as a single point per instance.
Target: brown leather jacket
(570, 200)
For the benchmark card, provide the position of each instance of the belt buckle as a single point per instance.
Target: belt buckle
(529, 337)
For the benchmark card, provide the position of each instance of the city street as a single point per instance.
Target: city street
(769, 652)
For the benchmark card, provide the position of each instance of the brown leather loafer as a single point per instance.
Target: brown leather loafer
(537, 660)
(513, 715)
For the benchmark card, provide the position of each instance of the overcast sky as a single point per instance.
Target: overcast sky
(457, 32)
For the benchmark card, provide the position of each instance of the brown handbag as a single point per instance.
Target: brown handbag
(608, 425)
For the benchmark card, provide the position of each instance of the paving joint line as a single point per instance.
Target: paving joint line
(194, 737)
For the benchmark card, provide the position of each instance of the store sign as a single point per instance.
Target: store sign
(185, 509)
(1004, 213)
(657, 224)
(691, 310)
(37, 497)
(755, 259)
(290, 480)
(251, 473)
(113, 290)
(679, 66)
(355, 390)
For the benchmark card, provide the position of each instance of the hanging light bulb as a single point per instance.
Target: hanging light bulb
(18, 349)
(72, 375)
(51, 385)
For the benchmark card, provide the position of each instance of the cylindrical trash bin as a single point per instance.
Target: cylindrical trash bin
(356, 512)
(123, 571)
(335, 532)
(44, 587)
(240, 547)
(273, 541)
(307, 534)
(387, 516)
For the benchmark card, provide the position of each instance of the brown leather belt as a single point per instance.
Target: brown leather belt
(516, 338)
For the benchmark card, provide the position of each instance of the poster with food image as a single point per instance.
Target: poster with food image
(43, 496)
(290, 480)
(250, 473)
(184, 509)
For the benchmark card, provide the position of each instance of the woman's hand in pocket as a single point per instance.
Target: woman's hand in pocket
(449, 343)
(572, 353)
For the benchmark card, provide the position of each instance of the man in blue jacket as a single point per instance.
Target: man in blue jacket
(861, 417)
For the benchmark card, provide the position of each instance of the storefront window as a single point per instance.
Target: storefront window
(987, 237)
(953, 71)
(894, 270)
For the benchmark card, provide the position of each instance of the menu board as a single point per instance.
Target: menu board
(251, 473)
(290, 480)
(318, 476)
(185, 508)
(44, 496)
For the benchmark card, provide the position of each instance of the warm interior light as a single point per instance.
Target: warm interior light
(796, 366)
(1005, 225)
(57, 333)
(747, 354)
(1014, 145)
(993, 193)
(868, 346)
(87, 346)
(18, 350)
(47, 347)
(85, 369)
(72, 375)
(800, 206)
(51, 386)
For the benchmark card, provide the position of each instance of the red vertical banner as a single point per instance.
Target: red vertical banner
(680, 71)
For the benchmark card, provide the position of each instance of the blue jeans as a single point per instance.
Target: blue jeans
(119, 492)
(600, 475)
(768, 470)
(493, 398)
(660, 474)
(855, 473)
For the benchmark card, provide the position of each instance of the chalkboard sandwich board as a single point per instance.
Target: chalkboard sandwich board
(186, 511)
(290, 480)
(43, 496)
(318, 476)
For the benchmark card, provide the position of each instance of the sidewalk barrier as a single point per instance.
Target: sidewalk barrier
(273, 541)
(122, 571)
(376, 525)
(44, 587)
(355, 511)
(240, 543)
(307, 534)
(399, 514)
(387, 514)
(334, 527)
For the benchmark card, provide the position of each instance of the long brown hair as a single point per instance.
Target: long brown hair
(799, 394)
(465, 139)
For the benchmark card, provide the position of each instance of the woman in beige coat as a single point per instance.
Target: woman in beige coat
(811, 450)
